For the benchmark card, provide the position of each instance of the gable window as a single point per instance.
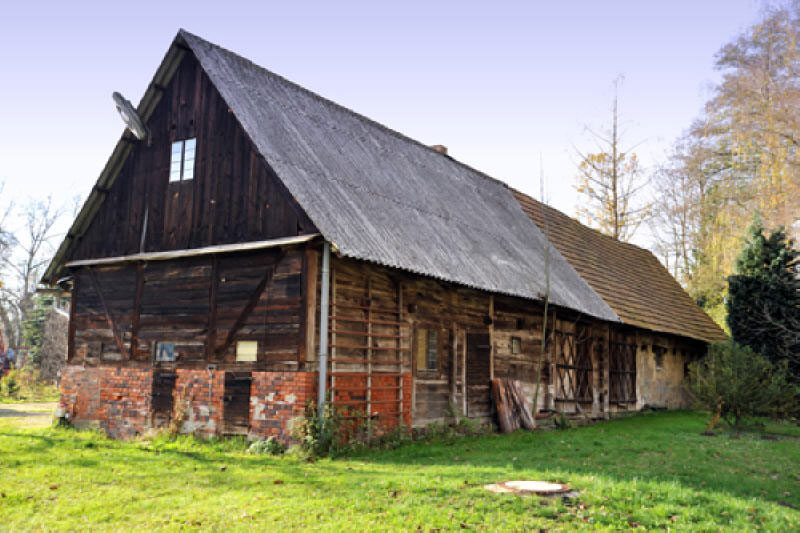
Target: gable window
(516, 345)
(427, 349)
(181, 165)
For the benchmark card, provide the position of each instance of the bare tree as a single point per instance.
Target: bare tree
(30, 249)
(547, 254)
(610, 179)
(53, 352)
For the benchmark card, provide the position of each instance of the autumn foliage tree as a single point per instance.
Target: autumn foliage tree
(741, 156)
(609, 180)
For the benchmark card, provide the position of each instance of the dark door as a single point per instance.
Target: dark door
(163, 398)
(479, 402)
(236, 403)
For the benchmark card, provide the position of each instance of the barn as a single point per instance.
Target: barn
(264, 247)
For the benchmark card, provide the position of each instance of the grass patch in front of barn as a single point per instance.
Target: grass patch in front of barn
(653, 471)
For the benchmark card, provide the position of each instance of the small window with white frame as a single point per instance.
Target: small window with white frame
(181, 165)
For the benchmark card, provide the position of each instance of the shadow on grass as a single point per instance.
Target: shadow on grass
(649, 449)
(659, 447)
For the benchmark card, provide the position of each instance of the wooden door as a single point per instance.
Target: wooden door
(479, 402)
(622, 373)
(163, 398)
(236, 403)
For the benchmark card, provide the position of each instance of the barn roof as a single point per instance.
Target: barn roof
(630, 279)
(382, 197)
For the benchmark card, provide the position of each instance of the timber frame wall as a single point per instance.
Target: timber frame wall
(591, 367)
(205, 305)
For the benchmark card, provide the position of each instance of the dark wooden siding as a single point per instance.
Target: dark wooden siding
(234, 196)
(479, 402)
(194, 303)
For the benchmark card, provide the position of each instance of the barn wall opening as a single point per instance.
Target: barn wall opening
(236, 403)
(163, 398)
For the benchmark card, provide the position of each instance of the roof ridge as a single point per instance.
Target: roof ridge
(182, 32)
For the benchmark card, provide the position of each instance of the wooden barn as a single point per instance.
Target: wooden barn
(265, 246)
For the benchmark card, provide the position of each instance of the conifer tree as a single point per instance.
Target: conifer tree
(764, 297)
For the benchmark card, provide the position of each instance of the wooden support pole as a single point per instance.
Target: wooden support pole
(369, 345)
(607, 376)
(137, 309)
(400, 350)
(464, 375)
(332, 329)
(491, 336)
(73, 304)
(454, 377)
(309, 313)
(211, 338)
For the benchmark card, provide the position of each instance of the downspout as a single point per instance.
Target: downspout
(323, 325)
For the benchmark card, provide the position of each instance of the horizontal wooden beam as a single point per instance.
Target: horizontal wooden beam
(193, 252)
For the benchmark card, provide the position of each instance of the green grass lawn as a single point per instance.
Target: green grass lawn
(655, 471)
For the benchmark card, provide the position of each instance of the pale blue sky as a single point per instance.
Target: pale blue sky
(498, 83)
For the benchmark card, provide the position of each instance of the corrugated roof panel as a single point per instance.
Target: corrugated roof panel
(382, 197)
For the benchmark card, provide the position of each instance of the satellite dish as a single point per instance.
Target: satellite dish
(130, 117)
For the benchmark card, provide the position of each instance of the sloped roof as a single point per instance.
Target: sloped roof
(630, 279)
(382, 197)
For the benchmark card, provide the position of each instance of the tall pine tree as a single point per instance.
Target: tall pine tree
(764, 297)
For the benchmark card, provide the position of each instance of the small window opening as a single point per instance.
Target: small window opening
(516, 345)
(658, 355)
(165, 352)
(181, 166)
(427, 349)
(247, 351)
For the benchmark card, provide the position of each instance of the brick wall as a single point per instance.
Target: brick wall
(118, 400)
(276, 398)
(112, 398)
(198, 401)
(350, 395)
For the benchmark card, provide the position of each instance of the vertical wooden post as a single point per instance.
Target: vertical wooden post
(332, 330)
(491, 336)
(400, 352)
(211, 337)
(369, 345)
(464, 375)
(607, 376)
(553, 356)
(308, 330)
(454, 372)
(137, 310)
(597, 372)
(73, 304)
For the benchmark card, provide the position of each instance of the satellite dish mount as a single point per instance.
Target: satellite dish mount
(131, 117)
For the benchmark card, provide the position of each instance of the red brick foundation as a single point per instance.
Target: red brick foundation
(198, 401)
(276, 398)
(118, 400)
(115, 399)
(350, 396)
